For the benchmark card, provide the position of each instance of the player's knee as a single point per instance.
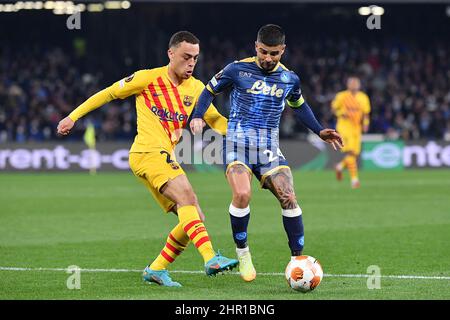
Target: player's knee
(241, 197)
(187, 197)
(288, 201)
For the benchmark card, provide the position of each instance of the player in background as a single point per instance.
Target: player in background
(165, 98)
(352, 108)
(260, 87)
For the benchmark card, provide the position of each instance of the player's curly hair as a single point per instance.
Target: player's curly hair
(181, 36)
(271, 35)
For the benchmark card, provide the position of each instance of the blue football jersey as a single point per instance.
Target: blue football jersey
(257, 99)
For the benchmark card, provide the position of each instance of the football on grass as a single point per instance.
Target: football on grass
(304, 273)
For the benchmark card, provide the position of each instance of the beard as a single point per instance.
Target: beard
(268, 65)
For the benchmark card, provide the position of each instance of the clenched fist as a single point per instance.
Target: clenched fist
(64, 126)
(197, 125)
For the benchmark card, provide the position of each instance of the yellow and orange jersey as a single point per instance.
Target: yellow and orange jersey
(350, 109)
(163, 109)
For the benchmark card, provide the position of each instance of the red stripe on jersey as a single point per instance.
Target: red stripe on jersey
(155, 98)
(167, 257)
(349, 109)
(201, 241)
(190, 225)
(180, 104)
(163, 87)
(172, 248)
(175, 240)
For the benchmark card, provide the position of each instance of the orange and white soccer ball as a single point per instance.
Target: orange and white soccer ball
(304, 273)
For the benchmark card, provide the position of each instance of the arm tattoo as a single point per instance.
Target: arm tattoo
(281, 184)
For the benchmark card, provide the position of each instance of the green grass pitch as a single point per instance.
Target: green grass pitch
(398, 221)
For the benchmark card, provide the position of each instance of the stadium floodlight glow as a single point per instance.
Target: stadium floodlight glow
(81, 7)
(364, 11)
(447, 11)
(58, 11)
(38, 5)
(62, 4)
(49, 5)
(70, 9)
(378, 11)
(95, 7)
(126, 4)
(19, 5)
(29, 5)
(9, 7)
(113, 5)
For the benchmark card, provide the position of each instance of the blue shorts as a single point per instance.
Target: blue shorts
(261, 161)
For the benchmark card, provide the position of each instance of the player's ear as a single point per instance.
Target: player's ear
(170, 53)
(283, 47)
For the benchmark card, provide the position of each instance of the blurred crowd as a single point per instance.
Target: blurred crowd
(408, 85)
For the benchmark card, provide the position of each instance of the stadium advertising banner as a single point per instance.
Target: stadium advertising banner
(389, 155)
(58, 157)
(382, 155)
(396, 155)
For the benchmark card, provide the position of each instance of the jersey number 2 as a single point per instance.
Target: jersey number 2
(269, 153)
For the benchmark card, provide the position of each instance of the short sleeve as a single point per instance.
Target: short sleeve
(295, 98)
(223, 79)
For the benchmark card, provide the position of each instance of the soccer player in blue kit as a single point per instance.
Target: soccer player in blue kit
(260, 87)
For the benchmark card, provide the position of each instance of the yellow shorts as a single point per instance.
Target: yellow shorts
(154, 169)
(352, 141)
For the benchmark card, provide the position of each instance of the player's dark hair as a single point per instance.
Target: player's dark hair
(181, 36)
(271, 35)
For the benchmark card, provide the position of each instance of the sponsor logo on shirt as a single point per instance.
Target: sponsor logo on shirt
(261, 87)
(166, 115)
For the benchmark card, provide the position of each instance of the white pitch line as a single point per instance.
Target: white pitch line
(201, 272)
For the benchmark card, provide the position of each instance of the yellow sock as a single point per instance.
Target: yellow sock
(352, 166)
(195, 229)
(175, 245)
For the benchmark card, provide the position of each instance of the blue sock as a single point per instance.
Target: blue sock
(239, 222)
(293, 225)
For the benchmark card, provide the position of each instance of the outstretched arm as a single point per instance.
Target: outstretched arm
(121, 89)
(304, 113)
(94, 102)
(306, 116)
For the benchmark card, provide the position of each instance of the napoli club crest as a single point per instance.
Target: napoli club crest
(285, 76)
(188, 100)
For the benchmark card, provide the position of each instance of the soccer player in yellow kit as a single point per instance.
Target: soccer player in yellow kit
(165, 98)
(352, 108)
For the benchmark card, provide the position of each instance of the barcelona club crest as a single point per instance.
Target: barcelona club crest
(188, 100)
